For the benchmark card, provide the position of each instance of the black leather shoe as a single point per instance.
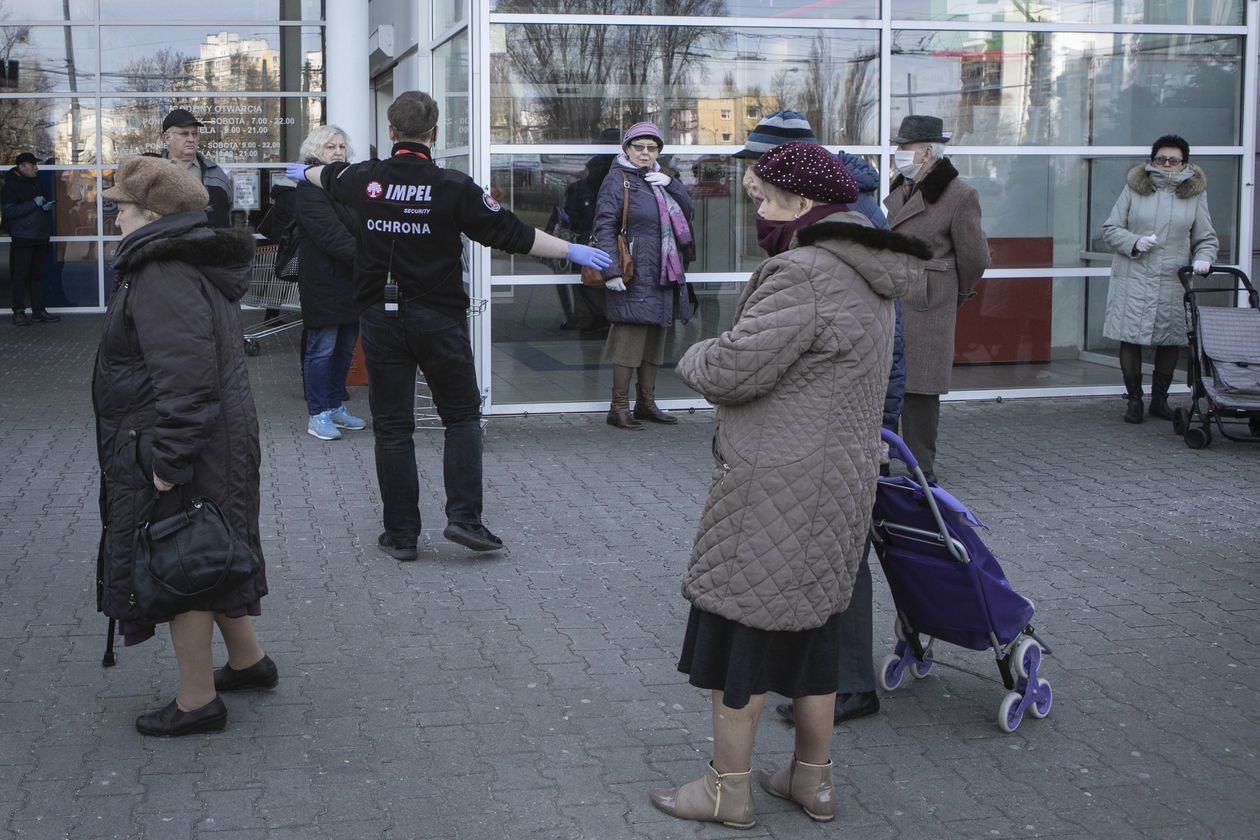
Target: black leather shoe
(262, 674)
(20, 319)
(45, 317)
(170, 722)
(398, 552)
(848, 707)
(477, 537)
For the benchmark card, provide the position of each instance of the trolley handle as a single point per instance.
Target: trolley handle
(1186, 275)
(898, 449)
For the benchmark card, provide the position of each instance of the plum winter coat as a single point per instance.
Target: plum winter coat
(1144, 298)
(645, 300)
(799, 384)
(945, 213)
(171, 392)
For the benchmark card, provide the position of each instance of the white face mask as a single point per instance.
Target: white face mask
(904, 161)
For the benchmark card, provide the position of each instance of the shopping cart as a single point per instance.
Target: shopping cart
(277, 298)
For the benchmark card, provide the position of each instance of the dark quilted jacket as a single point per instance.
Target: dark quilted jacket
(325, 259)
(171, 391)
(799, 385)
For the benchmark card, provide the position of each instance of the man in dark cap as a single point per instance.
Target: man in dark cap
(181, 133)
(930, 201)
(28, 217)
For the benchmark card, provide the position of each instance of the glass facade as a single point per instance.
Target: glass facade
(87, 82)
(1045, 122)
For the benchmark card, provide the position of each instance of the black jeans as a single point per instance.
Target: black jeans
(437, 343)
(26, 274)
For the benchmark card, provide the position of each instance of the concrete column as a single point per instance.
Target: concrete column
(349, 89)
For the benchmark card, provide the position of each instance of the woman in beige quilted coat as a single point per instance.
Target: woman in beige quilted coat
(799, 383)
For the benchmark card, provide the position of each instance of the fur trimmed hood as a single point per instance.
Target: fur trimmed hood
(223, 255)
(1139, 180)
(934, 183)
(871, 237)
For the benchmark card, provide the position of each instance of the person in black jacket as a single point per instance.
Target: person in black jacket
(181, 133)
(409, 215)
(326, 281)
(174, 412)
(28, 212)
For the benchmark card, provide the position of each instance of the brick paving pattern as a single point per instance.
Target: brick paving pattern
(533, 694)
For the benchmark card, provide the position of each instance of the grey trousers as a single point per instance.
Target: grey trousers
(857, 669)
(920, 416)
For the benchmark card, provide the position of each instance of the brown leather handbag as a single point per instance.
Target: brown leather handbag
(593, 276)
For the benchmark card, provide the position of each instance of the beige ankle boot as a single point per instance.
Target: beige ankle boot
(808, 785)
(718, 797)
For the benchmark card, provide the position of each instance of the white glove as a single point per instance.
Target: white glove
(615, 285)
(884, 457)
(657, 179)
(40, 200)
(1202, 267)
(1145, 244)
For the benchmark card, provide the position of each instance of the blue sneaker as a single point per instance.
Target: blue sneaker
(321, 426)
(344, 419)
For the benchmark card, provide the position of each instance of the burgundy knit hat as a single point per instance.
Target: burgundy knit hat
(643, 129)
(808, 170)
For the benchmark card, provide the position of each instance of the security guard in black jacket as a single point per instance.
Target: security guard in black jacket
(413, 312)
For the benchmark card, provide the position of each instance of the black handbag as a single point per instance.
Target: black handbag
(191, 560)
(287, 253)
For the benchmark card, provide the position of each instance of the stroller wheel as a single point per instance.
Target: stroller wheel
(889, 674)
(1180, 421)
(1026, 657)
(1041, 705)
(1198, 437)
(1009, 713)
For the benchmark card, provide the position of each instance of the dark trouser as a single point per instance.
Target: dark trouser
(26, 273)
(920, 417)
(857, 669)
(393, 347)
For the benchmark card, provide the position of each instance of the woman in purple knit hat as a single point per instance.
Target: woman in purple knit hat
(642, 308)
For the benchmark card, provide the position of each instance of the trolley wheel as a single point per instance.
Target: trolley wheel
(1026, 657)
(898, 631)
(889, 677)
(1009, 713)
(1041, 706)
(1198, 437)
(251, 347)
(919, 670)
(1181, 421)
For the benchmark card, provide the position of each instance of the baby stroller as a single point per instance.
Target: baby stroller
(947, 586)
(1224, 366)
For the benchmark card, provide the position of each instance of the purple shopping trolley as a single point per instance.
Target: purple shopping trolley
(947, 586)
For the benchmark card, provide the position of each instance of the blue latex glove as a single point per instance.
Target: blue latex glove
(40, 201)
(296, 172)
(47, 205)
(586, 255)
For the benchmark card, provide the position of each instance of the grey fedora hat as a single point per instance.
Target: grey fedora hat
(920, 128)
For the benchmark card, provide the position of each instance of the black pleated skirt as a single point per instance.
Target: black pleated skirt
(723, 655)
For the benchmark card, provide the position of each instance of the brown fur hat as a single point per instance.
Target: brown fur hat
(157, 184)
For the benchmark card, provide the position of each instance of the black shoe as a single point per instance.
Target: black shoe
(1159, 407)
(477, 537)
(262, 674)
(45, 317)
(848, 707)
(1133, 411)
(20, 319)
(170, 722)
(398, 552)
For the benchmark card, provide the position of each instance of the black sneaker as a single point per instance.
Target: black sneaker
(398, 552)
(20, 319)
(476, 536)
(45, 317)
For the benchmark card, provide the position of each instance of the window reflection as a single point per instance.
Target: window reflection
(554, 83)
(222, 10)
(56, 130)
(830, 9)
(1025, 88)
(37, 59)
(1228, 12)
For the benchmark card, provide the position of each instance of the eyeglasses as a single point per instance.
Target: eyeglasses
(1166, 161)
(645, 147)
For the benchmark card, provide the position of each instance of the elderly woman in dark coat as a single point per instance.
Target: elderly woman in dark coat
(643, 308)
(326, 279)
(799, 383)
(174, 412)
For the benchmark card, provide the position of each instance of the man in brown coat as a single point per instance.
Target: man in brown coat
(927, 200)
